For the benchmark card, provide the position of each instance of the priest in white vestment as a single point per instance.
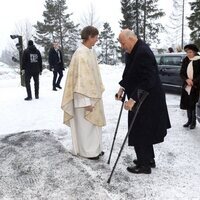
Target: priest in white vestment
(82, 98)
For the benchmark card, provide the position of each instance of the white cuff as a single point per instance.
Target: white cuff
(81, 101)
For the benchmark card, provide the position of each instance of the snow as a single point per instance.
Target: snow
(7, 71)
(43, 145)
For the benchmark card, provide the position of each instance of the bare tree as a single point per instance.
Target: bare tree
(176, 28)
(6, 57)
(90, 18)
(25, 29)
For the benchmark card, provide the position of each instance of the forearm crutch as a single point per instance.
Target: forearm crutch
(143, 97)
(120, 113)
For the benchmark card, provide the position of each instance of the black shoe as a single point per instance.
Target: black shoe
(192, 126)
(54, 89)
(187, 124)
(58, 86)
(102, 153)
(37, 97)
(94, 158)
(139, 169)
(28, 99)
(152, 163)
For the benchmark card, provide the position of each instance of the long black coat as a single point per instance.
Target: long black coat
(55, 62)
(141, 73)
(189, 101)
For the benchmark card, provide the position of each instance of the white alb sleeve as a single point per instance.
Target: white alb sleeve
(81, 101)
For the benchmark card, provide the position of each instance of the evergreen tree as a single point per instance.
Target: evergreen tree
(128, 16)
(57, 26)
(107, 46)
(194, 24)
(127, 22)
(149, 26)
(143, 13)
(70, 45)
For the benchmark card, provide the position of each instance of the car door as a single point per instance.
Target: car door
(170, 70)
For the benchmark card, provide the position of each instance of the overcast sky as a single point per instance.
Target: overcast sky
(13, 12)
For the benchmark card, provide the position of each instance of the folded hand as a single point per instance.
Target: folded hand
(89, 108)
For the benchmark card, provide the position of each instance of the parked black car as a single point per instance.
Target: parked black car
(169, 65)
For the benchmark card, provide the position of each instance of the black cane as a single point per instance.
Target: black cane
(116, 129)
(143, 97)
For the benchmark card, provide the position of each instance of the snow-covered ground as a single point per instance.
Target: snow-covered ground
(177, 175)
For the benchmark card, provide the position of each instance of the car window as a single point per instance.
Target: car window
(158, 59)
(170, 60)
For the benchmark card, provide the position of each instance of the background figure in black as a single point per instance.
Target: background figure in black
(151, 124)
(190, 74)
(32, 66)
(56, 65)
(170, 50)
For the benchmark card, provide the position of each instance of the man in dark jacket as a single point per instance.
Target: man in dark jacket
(56, 65)
(152, 121)
(32, 67)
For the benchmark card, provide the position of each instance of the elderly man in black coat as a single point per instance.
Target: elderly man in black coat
(152, 121)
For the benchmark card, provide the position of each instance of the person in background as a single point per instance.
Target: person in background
(82, 98)
(190, 74)
(56, 65)
(170, 50)
(151, 124)
(32, 67)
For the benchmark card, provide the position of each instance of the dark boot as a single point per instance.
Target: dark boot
(193, 123)
(139, 169)
(28, 98)
(189, 115)
(152, 163)
(58, 86)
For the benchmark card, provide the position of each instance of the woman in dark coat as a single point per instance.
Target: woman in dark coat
(190, 73)
(152, 122)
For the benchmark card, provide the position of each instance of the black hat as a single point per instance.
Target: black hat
(192, 47)
(30, 43)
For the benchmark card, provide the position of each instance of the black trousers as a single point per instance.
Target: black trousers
(56, 82)
(144, 154)
(36, 84)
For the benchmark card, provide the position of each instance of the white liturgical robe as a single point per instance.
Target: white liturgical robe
(83, 88)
